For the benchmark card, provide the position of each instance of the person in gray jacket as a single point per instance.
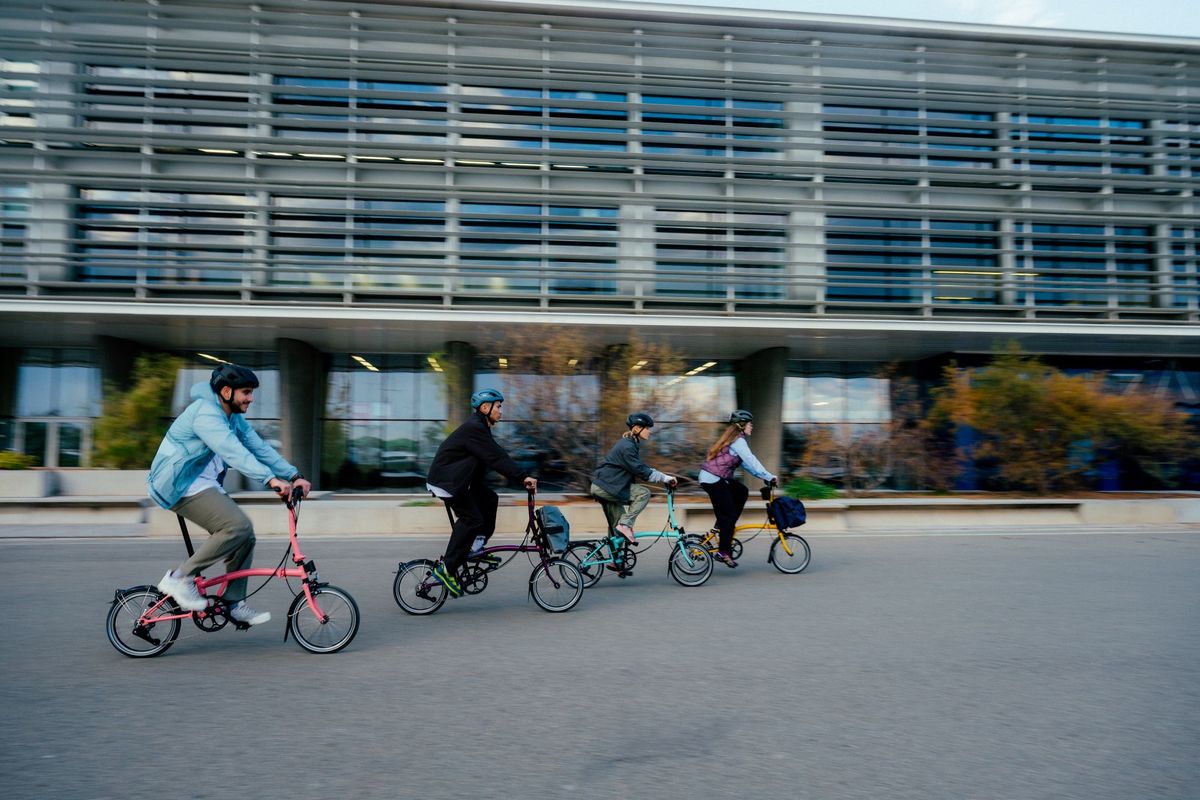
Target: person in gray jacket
(613, 484)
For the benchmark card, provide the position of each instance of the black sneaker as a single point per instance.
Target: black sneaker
(490, 559)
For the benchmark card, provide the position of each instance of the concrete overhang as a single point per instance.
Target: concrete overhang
(48, 323)
(682, 13)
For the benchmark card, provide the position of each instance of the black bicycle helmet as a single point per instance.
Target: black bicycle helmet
(233, 375)
(740, 417)
(639, 418)
(486, 396)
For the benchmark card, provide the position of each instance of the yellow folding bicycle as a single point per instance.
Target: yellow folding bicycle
(790, 553)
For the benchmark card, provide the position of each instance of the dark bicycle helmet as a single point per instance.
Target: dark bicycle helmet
(233, 375)
(740, 417)
(485, 396)
(639, 418)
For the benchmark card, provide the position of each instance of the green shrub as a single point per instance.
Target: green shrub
(11, 459)
(134, 421)
(809, 489)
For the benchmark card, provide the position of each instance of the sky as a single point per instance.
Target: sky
(1162, 17)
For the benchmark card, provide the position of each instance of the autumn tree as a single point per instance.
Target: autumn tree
(899, 450)
(1042, 430)
(568, 396)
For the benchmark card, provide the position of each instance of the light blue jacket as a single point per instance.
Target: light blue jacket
(199, 432)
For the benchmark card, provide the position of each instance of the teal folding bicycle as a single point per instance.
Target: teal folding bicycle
(690, 563)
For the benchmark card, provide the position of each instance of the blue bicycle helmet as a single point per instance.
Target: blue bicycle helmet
(485, 396)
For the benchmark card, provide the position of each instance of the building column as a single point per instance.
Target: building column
(10, 361)
(303, 378)
(116, 358)
(458, 371)
(760, 381)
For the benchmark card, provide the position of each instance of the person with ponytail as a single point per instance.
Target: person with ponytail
(728, 496)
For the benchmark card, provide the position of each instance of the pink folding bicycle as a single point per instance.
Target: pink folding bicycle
(144, 622)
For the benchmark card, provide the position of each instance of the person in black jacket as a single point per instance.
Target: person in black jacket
(613, 484)
(458, 476)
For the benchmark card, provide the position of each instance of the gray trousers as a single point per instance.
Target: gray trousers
(232, 537)
(615, 509)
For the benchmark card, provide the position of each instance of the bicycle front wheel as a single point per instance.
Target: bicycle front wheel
(556, 585)
(690, 564)
(415, 589)
(122, 624)
(794, 562)
(585, 556)
(335, 628)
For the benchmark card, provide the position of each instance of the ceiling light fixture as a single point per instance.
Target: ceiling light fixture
(365, 363)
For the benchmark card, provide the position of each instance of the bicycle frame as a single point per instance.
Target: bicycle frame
(768, 494)
(540, 545)
(305, 570)
(673, 530)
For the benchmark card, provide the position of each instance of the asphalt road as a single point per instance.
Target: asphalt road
(926, 667)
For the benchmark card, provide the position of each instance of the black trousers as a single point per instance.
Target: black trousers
(728, 499)
(475, 515)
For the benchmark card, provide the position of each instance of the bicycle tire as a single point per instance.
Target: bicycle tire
(579, 554)
(127, 608)
(409, 578)
(568, 592)
(690, 563)
(328, 635)
(795, 563)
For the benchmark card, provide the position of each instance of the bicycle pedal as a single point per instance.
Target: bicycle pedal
(241, 626)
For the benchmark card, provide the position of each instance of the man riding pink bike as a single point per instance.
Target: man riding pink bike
(187, 477)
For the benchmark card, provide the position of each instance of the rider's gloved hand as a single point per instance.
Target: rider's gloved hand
(773, 482)
(670, 480)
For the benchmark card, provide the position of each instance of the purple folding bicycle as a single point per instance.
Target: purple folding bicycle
(555, 584)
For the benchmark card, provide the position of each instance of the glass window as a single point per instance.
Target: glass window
(382, 423)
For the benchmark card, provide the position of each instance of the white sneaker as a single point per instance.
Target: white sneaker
(248, 616)
(184, 591)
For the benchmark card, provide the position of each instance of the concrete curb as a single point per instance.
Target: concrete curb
(334, 514)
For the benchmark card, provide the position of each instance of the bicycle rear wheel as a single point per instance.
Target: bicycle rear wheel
(407, 590)
(328, 635)
(585, 556)
(735, 548)
(128, 607)
(556, 585)
(690, 564)
(798, 560)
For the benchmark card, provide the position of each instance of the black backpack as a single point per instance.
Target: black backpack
(787, 513)
(554, 524)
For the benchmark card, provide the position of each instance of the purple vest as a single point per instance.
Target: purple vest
(723, 463)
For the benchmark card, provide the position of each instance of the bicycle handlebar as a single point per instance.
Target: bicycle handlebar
(293, 498)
